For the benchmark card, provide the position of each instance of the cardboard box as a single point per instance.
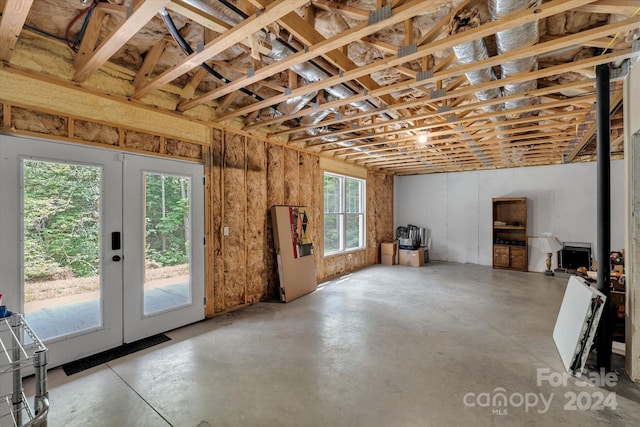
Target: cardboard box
(388, 248)
(388, 253)
(414, 258)
(388, 260)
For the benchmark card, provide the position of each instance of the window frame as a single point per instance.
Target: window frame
(342, 214)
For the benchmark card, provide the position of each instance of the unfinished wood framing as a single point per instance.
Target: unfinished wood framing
(130, 87)
(384, 72)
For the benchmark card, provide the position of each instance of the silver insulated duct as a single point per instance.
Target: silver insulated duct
(311, 73)
(515, 38)
(474, 51)
(225, 11)
(469, 53)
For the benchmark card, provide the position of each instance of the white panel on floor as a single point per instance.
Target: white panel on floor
(577, 323)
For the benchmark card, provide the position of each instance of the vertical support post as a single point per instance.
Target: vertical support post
(603, 120)
(16, 345)
(41, 397)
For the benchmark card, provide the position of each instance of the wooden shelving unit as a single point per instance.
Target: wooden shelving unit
(510, 246)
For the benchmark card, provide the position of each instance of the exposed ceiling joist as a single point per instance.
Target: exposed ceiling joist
(616, 99)
(141, 13)
(14, 14)
(485, 30)
(363, 83)
(398, 15)
(274, 11)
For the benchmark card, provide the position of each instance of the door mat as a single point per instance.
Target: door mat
(112, 354)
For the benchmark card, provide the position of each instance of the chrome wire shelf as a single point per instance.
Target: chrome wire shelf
(22, 350)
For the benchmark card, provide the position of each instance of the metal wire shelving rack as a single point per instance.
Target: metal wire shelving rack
(21, 352)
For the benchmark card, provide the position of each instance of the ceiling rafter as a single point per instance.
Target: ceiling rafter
(461, 109)
(229, 38)
(407, 83)
(548, 136)
(307, 34)
(621, 7)
(14, 15)
(471, 128)
(505, 134)
(398, 15)
(150, 61)
(449, 72)
(211, 22)
(141, 13)
(616, 99)
(484, 116)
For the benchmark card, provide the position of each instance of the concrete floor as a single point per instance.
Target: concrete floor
(385, 346)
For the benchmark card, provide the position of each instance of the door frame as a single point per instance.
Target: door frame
(11, 147)
(137, 325)
(12, 152)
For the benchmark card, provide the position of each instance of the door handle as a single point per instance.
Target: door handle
(115, 241)
(116, 258)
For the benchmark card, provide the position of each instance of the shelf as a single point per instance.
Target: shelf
(508, 211)
(20, 349)
(509, 199)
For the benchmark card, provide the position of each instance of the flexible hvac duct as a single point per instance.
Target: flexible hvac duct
(474, 51)
(297, 103)
(280, 51)
(307, 70)
(515, 38)
(469, 53)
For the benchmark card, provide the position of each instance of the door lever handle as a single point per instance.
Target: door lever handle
(116, 258)
(115, 241)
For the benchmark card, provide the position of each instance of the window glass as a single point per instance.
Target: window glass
(344, 215)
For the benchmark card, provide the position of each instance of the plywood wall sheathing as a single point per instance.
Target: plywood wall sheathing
(217, 246)
(211, 240)
(95, 132)
(176, 148)
(275, 196)
(38, 122)
(256, 221)
(235, 200)
(291, 177)
(245, 176)
(142, 142)
(43, 123)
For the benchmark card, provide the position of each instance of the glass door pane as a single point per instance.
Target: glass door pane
(61, 229)
(167, 242)
(163, 242)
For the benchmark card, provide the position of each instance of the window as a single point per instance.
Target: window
(344, 206)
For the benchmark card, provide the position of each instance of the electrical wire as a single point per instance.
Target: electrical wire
(243, 15)
(44, 33)
(83, 27)
(73, 45)
(616, 36)
(171, 26)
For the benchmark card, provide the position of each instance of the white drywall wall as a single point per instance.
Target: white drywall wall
(456, 207)
(632, 269)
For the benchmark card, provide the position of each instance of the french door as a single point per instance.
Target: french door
(99, 248)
